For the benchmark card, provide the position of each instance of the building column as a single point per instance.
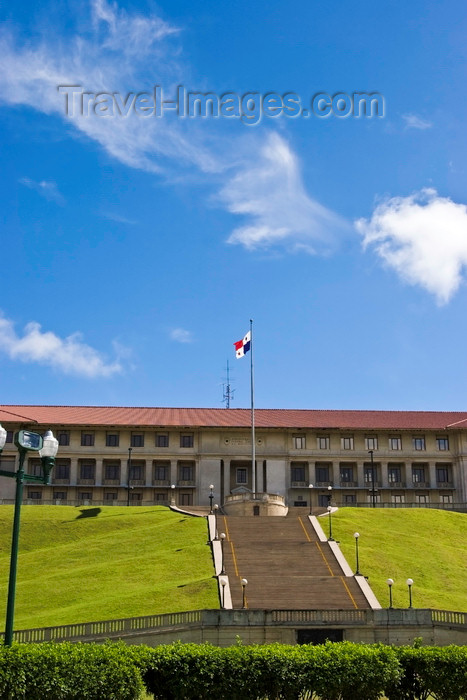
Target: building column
(99, 475)
(384, 475)
(73, 471)
(432, 474)
(173, 471)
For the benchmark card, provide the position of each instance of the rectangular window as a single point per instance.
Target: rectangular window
(63, 437)
(371, 442)
(347, 442)
(162, 440)
(418, 475)
(421, 498)
(112, 472)
(242, 475)
(397, 498)
(61, 470)
(346, 474)
(35, 495)
(442, 444)
(137, 439)
(186, 472)
(322, 472)
(112, 440)
(161, 497)
(395, 442)
(136, 496)
(87, 439)
(35, 467)
(59, 495)
(323, 442)
(85, 495)
(298, 472)
(299, 442)
(161, 472)
(186, 440)
(418, 443)
(443, 474)
(136, 472)
(110, 496)
(394, 475)
(349, 498)
(446, 498)
(186, 499)
(87, 470)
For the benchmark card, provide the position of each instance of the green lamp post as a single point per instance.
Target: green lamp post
(47, 447)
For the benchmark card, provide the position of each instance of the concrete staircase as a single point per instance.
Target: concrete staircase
(286, 565)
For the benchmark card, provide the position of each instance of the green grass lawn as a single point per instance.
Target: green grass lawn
(113, 562)
(429, 546)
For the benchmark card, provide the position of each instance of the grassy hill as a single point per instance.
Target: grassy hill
(429, 546)
(80, 564)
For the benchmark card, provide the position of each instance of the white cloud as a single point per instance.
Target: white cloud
(49, 190)
(412, 121)
(268, 188)
(68, 355)
(122, 52)
(423, 237)
(180, 335)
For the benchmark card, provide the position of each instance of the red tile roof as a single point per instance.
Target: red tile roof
(231, 418)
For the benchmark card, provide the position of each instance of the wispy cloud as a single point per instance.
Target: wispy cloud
(268, 189)
(412, 121)
(180, 335)
(69, 355)
(423, 237)
(49, 190)
(119, 51)
(118, 218)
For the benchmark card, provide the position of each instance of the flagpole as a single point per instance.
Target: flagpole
(253, 442)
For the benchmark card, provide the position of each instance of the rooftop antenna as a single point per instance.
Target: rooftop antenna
(227, 391)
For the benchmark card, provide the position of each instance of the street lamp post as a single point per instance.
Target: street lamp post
(356, 535)
(373, 491)
(47, 447)
(128, 480)
(329, 495)
(216, 508)
(330, 538)
(222, 536)
(223, 585)
(410, 584)
(244, 583)
(211, 498)
(390, 583)
(310, 487)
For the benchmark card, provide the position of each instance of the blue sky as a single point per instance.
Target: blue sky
(136, 248)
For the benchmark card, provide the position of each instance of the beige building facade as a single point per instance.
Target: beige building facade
(142, 456)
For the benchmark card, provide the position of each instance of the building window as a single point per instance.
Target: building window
(298, 472)
(370, 473)
(418, 475)
(161, 472)
(112, 471)
(186, 440)
(112, 440)
(162, 440)
(85, 496)
(443, 444)
(137, 439)
(322, 473)
(346, 474)
(185, 472)
(34, 495)
(397, 498)
(242, 475)
(395, 442)
(135, 496)
(59, 495)
(136, 472)
(87, 439)
(421, 498)
(87, 470)
(394, 475)
(61, 470)
(371, 442)
(63, 437)
(349, 498)
(299, 442)
(161, 497)
(35, 467)
(347, 442)
(110, 496)
(443, 474)
(418, 443)
(323, 442)
(186, 499)
(446, 498)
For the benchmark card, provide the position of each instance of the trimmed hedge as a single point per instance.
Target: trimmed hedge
(332, 671)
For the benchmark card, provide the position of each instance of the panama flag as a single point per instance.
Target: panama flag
(243, 345)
